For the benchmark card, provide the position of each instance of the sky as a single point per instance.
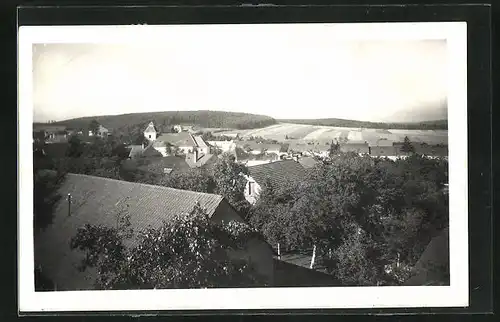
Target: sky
(275, 73)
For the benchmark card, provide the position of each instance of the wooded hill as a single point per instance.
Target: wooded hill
(427, 125)
(209, 119)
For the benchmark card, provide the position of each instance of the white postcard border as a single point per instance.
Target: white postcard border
(455, 295)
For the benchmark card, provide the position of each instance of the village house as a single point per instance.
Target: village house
(276, 173)
(383, 148)
(224, 146)
(429, 150)
(101, 132)
(96, 201)
(356, 147)
(185, 142)
(300, 149)
(321, 150)
(255, 148)
(165, 165)
(150, 132)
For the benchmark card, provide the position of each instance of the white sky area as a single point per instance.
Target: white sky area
(277, 73)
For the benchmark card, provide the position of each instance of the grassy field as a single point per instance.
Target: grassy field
(301, 132)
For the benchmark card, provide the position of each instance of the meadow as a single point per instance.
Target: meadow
(288, 132)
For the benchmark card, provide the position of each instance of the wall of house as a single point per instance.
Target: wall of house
(203, 150)
(225, 146)
(256, 188)
(150, 135)
(186, 149)
(256, 250)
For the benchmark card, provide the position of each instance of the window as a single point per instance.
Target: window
(150, 136)
(250, 189)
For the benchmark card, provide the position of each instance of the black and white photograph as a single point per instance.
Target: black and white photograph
(243, 166)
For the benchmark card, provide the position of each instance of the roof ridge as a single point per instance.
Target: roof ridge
(147, 185)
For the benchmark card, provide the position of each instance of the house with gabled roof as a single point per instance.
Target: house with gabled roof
(95, 201)
(150, 132)
(278, 174)
(185, 142)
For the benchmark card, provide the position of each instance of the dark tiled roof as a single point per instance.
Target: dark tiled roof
(435, 255)
(157, 165)
(355, 147)
(135, 150)
(96, 200)
(383, 151)
(278, 172)
(151, 152)
(177, 139)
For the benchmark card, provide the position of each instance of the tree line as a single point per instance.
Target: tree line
(165, 120)
(429, 125)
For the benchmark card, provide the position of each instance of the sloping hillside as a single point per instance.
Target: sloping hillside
(209, 119)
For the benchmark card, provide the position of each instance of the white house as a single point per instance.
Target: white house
(150, 132)
(101, 132)
(225, 146)
(185, 142)
(178, 128)
(276, 173)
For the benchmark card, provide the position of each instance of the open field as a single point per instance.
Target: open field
(301, 132)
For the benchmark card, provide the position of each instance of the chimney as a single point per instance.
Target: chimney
(69, 204)
(279, 251)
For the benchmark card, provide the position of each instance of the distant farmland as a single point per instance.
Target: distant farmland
(301, 132)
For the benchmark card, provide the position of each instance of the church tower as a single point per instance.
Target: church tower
(150, 132)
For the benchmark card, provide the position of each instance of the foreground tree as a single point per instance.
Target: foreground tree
(45, 193)
(407, 146)
(190, 251)
(230, 182)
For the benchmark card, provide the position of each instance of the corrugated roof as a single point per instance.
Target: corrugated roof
(96, 201)
(278, 172)
(177, 139)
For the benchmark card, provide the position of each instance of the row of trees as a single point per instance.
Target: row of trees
(359, 215)
(431, 125)
(129, 124)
